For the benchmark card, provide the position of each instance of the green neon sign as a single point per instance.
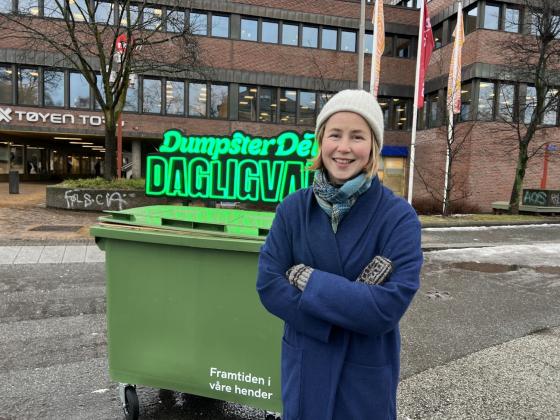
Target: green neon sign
(236, 168)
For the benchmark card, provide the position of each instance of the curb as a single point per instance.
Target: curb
(490, 224)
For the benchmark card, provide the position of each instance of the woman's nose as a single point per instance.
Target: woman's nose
(344, 145)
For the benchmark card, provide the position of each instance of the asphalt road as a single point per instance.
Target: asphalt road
(480, 341)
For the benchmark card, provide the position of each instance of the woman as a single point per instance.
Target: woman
(340, 266)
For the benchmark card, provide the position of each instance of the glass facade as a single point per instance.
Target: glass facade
(78, 9)
(197, 99)
(175, 97)
(152, 18)
(403, 47)
(400, 114)
(28, 86)
(550, 116)
(247, 107)
(131, 103)
(28, 7)
(79, 91)
(53, 88)
(5, 6)
(132, 12)
(151, 96)
(368, 43)
(466, 99)
(511, 22)
(470, 20)
(219, 99)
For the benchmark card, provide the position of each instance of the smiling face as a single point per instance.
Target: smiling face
(346, 146)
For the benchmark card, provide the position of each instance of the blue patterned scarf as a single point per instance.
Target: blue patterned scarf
(337, 201)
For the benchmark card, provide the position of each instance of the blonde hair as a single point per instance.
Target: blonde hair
(372, 166)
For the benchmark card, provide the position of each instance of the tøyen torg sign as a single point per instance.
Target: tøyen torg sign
(236, 168)
(49, 117)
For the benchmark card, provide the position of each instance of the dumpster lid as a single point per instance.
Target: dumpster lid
(226, 222)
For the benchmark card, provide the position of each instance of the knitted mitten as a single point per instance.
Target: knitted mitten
(298, 275)
(377, 271)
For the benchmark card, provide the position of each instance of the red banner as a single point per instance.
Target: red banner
(428, 45)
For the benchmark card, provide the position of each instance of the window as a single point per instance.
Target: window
(328, 38)
(99, 83)
(6, 85)
(197, 99)
(28, 86)
(268, 105)
(451, 25)
(247, 109)
(174, 97)
(433, 113)
(323, 99)
(506, 101)
(53, 88)
(131, 102)
(368, 43)
(249, 29)
(175, 21)
(270, 32)
(132, 12)
(403, 47)
(288, 99)
(392, 173)
(219, 98)
(220, 26)
(5, 6)
(438, 35)
(492, 16)
(470, 20)
(198, 23)
(151, 96)
(52, 10)
(152, 18)
(309, 37)
(384, 104)
(79, 91)
(28, 7)
(389, 42)
(551, 107)
(348, 41)
(466, 99)
(530, 103)
(103, 12)
(511, 23)
(400, 114)
(486, 101)
(306, 108)
(78, 10)
(290, 34)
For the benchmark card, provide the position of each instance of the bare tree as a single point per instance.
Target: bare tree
(531, 60)
(456, 189)
(109, 44)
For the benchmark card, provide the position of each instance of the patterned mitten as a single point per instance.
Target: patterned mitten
(377, 271)
(298, 275)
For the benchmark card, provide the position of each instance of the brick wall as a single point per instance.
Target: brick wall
(486, 166)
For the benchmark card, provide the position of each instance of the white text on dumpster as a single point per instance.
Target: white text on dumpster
(219, 376)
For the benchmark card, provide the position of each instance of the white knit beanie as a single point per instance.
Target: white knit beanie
(358, 101)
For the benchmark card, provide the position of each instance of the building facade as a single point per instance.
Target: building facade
(271, 66)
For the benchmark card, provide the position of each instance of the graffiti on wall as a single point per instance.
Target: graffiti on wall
(78, 199)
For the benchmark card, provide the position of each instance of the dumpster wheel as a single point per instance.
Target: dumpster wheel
(131, 406)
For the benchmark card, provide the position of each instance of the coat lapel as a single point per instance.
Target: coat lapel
(321, 239)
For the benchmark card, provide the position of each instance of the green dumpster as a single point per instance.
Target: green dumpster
(182, 310)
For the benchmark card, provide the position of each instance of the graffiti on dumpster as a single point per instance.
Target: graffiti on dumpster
(80, 199)
(237, 383)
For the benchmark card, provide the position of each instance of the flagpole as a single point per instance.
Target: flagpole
(361, 45)
(415, 104)
(374, 49)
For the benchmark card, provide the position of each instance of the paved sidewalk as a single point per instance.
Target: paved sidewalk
(60, 254)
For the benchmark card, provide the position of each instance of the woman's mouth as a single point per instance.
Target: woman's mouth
(341, 161)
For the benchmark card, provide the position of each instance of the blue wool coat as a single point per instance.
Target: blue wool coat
(341, 344)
